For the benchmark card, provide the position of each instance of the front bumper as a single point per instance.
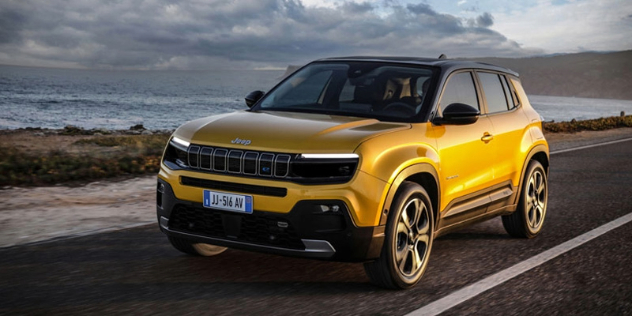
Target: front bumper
(306, 231)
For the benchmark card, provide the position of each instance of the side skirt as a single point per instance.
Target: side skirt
(477, 207)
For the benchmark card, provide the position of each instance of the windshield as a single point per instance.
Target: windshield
(376, 90)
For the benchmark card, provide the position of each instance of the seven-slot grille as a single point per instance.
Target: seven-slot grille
(252, 163)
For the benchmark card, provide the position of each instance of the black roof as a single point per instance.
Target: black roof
(447, 65)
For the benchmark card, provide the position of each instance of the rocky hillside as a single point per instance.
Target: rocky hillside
(587, 75)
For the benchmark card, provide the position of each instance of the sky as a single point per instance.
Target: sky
(269, 34)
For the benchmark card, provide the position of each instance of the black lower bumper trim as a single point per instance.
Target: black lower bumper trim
(309, 230)
(320, 249)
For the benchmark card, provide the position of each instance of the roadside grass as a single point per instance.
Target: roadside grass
(126, 155)
(599, 124)
(136, 144)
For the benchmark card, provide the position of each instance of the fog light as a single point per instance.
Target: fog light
(330, 208)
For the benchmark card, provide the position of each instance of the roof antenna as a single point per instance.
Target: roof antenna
(443, 56)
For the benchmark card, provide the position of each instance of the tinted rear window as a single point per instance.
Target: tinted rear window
(494, 92)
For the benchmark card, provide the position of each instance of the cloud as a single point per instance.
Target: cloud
(156, 34)
(355, 8)
(11, 21)
(485, 20)
(421, 8)
(569, 26)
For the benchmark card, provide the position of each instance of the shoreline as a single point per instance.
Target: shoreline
(72, 130)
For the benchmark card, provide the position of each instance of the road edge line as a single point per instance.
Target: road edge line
(472, 290)
(590, 146)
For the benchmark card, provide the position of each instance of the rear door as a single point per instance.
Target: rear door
(509, 124)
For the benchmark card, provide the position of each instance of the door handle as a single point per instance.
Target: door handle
(487, 137)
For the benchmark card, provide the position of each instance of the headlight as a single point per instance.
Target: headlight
(329, 156)
(324, 168)
(179, 141)
(176, 154)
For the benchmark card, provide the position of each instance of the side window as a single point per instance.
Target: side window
(518, 91)
(513, 96)
(494, 92)
(460, 89)
(508, 95)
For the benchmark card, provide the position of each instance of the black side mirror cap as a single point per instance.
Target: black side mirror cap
(253, 97)
(458, 114)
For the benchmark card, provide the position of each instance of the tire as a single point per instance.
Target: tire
(527, 220)
(408, 240)
(195, 249)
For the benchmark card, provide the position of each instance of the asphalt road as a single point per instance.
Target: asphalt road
(136, 271)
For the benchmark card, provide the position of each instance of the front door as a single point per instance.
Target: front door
(467, 151)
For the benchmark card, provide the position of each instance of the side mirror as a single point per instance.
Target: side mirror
(253, 97)
(458, 114)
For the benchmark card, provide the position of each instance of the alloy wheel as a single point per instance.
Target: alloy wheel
(536, 200)
(413, 237)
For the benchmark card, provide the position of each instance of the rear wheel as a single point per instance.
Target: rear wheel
(196, 249)
(527, 220)
(406, 249)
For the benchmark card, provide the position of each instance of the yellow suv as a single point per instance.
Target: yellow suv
(363, 159)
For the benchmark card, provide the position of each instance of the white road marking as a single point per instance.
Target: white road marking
(590, 146)
(472, 290)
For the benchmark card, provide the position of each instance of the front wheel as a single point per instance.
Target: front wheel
(408, 241)
(527, 220)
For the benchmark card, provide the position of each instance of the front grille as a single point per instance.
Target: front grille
(233, 187)
(258, 164)
(256, 228)
(233, 161)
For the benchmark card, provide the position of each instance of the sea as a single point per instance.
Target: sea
(163, 100)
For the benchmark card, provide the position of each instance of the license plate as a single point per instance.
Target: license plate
(228, 202)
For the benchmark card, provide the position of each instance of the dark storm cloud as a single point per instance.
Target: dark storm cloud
(11, 22)
(421, 8)
(485, 20)
(194, 34)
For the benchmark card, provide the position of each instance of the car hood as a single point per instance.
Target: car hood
(285, 131)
